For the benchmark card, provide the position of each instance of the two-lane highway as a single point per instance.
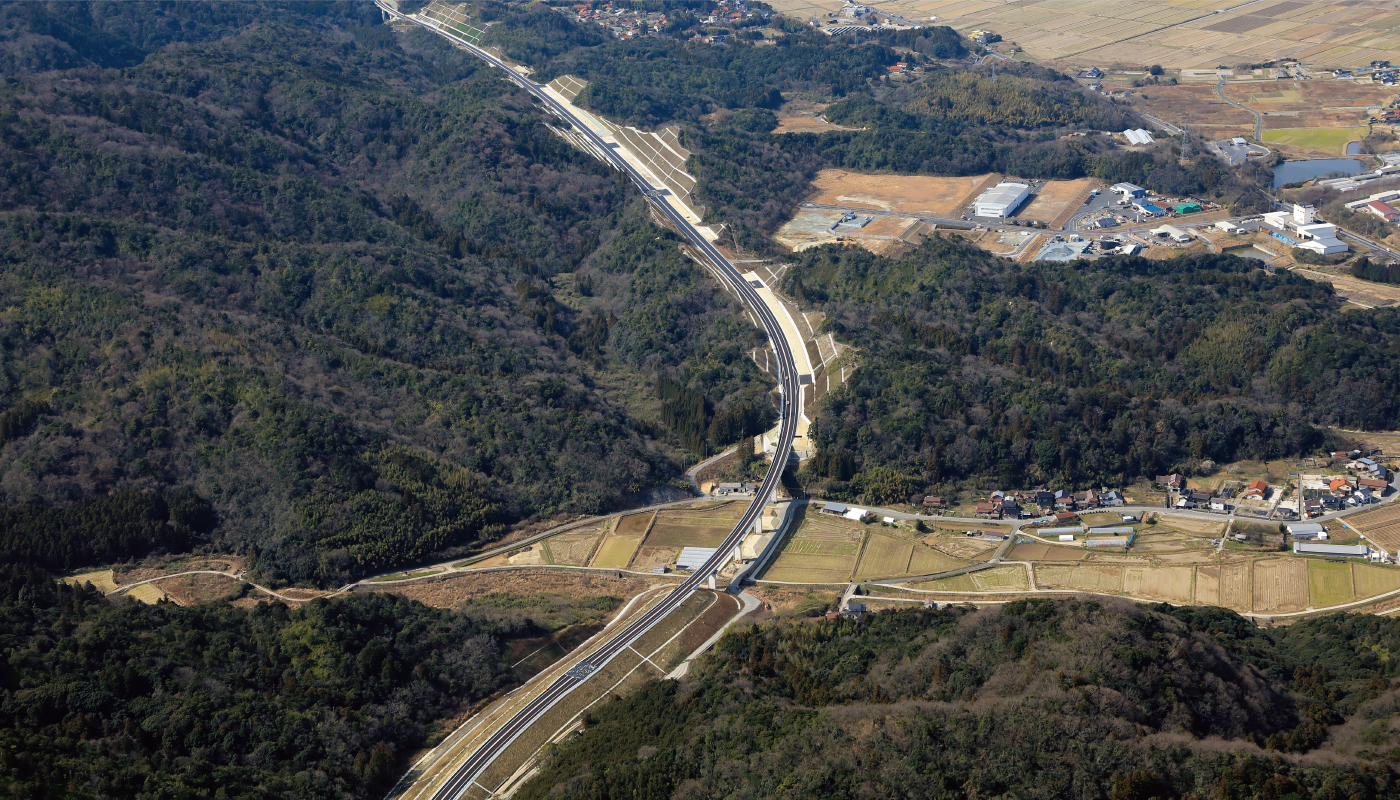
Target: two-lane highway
(466, 774)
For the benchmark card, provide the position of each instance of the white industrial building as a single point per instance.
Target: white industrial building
(1172, 232)
(1301, 229)
(1137, 136)
(1129, 190)
(1343, 550)
(1001, 200)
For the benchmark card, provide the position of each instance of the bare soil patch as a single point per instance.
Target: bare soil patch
(1057, 201)
(908, 194)
(1172, 584)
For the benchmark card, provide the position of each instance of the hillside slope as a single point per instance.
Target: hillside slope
(340, 283)
(1031, 699)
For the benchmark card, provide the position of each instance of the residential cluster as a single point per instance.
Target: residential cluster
(1041, 503)
(627, 23)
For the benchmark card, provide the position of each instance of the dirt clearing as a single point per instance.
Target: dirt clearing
(1057, 201)
(906, 194)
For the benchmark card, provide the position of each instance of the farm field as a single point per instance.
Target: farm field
(884, 556)
(1200, 34)
(101, 580)
(1372, 580)
(1224, 585)
(1100, 518)
(1280, 585)
(1381, 526)
(147, 593)
(1326, 141)
(633, 524)
(1045, 552)
(1329, 583)
(1089, 578)
(616, 551)
(571, 549)
(670, 534)
(1173, 584)
(971, 548)
(1188, 526)
(822, 550)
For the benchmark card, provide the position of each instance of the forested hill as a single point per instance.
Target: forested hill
(1030, 699)
(322, 294)
(1087, 373)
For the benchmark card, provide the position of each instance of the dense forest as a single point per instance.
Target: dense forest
(340, 285)
(105, 700)
(1086, 373)
(1031, 699)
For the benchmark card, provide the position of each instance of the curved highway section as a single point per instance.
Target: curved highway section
(788, 386)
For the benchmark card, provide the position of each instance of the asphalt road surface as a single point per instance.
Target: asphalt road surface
(466, 774)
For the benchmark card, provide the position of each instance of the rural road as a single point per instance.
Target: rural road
(1258, 118)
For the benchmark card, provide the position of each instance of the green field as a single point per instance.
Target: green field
(1326, 140)
(1329, 584)
(1372, 580)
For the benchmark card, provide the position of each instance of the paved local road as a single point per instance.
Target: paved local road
(466, 774)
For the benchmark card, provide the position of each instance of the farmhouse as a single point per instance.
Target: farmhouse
(1374, 484)
(835, 509)
(935, 502)
(1172, 481)
(988, 511)
(1001, 200)
(1342, 550)
(1258, 490)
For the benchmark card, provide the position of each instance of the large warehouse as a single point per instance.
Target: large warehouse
(1001, 200)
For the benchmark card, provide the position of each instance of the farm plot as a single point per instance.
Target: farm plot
(648, 557)
(1371, 580)
(1331, 141)
(1280, 585)
(616, 551)
(1089, 578)
(1226, 585)
(812, 547)
(633, 524)
(908, 194)
(961, 546)
(1189, 526)
(1329, 583)
(1045, 552)
(1001, 579)
(101, 580)
(669, 534)
(1381, 526)
(147, 593)
(924, 561)
(572, 549)
(1172, 584)
(957, 583)
(884, 556)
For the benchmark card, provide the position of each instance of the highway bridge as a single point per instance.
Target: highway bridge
(467, 772)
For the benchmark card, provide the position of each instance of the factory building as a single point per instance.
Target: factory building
(1301, 229)
(1001, 200)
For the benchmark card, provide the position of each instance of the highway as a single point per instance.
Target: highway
(466, 774)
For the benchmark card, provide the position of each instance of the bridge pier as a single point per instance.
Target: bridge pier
(710, 581)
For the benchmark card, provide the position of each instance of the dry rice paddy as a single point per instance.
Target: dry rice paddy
(1280, 585)
(1372, 580)
(147, 593)
(1088, 578)
(1381, 526)
(668, 534)
(1172, 584)
(572, 549)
